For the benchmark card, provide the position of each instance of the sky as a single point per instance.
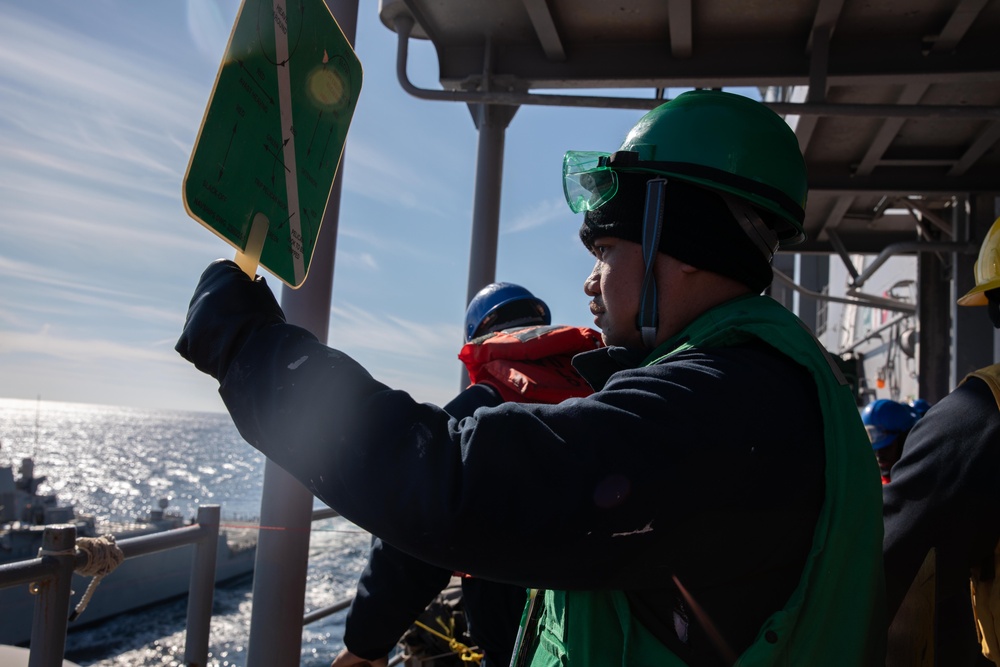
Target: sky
(100, 106)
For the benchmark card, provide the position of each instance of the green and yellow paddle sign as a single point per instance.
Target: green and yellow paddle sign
(273, 133)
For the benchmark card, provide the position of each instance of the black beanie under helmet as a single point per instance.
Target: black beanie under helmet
(698, 228)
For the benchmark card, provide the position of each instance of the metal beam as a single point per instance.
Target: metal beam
(958, 24)
(982, 143)
(910, 247)
(681, 33)
(841, 250)
(804, 129)
(829, 179)
(836, 214)
(888, 110)
(824, 21)
(721, 62)
(915, 162)
(918, 208)
(856, 298)
(890, 128)
(819, 62)
(827, 15)
(865, 243)
(545, 29)
(510, 97)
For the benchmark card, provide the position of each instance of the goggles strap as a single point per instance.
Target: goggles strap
(765, 238)
(652, 225)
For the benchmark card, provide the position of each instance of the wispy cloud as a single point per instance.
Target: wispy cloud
(64, 64)
(352, 327)
(107, 233)
(542, 213)
(94, 104)
(417, 357)
(70, 348)
(364, 234)
(208, 28)
(382, 175)
(93, 145)
(36, 160)
(60, 294)
(364, 261)
(46, 275)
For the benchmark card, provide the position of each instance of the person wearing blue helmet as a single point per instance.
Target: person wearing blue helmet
(514, 349)
(919, 407)
(887, 423)
(501, 306)
(512, 353)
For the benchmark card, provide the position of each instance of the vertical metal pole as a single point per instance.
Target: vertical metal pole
(201, 590)
(48, 629)
(492, 121)
(286, 506)
(486, 207)
(933, 307)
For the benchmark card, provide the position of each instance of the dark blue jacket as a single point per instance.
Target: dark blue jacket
(944, 494)
(708, 468)
(395, 588)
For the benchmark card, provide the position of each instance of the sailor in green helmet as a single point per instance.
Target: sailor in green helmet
(650, 525)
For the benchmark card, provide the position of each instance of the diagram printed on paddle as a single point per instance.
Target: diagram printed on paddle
(273, 133)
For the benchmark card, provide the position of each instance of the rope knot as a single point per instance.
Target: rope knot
(103, 556)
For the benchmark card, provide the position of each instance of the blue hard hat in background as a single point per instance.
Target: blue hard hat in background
(919, 407)
(885, 419)
(501, 306)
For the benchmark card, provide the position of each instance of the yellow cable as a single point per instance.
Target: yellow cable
(463, 651)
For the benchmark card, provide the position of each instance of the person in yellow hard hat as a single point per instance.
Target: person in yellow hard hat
(651, 529)
(944, 497)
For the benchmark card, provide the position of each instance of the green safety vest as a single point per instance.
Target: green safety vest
(836, 614)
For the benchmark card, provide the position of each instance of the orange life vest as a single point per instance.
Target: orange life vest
(531, 364)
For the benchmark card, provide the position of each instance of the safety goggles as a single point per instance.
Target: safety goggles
(589, 182)
(590, 178)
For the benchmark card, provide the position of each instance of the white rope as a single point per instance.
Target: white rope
(103, 556)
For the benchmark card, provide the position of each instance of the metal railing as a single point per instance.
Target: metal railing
(50, 577)
(323, 612)
(317, 614)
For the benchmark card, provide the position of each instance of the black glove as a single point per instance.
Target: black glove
(227, 307)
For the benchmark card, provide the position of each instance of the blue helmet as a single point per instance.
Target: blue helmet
(919, 407)
(501, 306)
(885, 420)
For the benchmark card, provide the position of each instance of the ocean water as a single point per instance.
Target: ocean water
(116, 462)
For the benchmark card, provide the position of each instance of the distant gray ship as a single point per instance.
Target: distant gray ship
(135, 583)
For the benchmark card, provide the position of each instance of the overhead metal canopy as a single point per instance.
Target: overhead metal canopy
(896, 103)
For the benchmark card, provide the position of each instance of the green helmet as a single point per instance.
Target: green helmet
(719, 140)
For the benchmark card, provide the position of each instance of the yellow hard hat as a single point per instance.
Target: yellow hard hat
(987, 268)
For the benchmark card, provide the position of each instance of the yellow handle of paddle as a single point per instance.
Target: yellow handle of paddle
(249, 258)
